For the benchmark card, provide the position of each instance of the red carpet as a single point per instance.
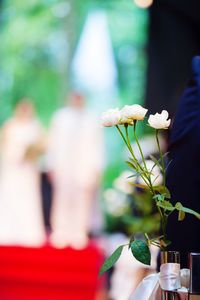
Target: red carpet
(48, 273)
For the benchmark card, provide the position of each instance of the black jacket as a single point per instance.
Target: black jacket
(183, 174)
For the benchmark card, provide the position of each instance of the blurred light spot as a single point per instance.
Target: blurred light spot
(6, 80)
(57, 49)
(61, 10)
(116, 203)
(94, 64)
(143, 3)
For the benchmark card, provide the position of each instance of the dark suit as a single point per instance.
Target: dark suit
(183, 174)
(174, 38)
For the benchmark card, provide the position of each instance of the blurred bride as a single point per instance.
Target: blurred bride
(20, 202)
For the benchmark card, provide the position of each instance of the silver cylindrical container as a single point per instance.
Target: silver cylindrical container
(170, 257)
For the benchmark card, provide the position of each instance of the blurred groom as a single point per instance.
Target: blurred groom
(75, 159)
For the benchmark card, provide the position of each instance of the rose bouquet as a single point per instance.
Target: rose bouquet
(125, 120)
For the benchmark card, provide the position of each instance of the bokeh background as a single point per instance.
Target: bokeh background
(46, 52)
(114, 52)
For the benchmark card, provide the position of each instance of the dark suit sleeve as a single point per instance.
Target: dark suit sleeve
(183, 174)
(187, 121)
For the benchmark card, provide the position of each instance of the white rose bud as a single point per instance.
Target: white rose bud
(131, 113)
(110, 117)
(159, 121)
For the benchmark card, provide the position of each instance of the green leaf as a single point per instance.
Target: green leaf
(110, 261)
(131, 176)
(130, 164)
(132, 160)
(137, 166)
(159, 197)
(141, 186)
(167, 193)
(146, 236)
(156, 178)
(137, 171)
(166, 205)
(141, 252)
(163, 190)
(180, 207)
(136, 174)
(181, 215)
(156, 161)
(164, 243)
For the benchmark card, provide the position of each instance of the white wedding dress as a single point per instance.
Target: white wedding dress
(21, 220)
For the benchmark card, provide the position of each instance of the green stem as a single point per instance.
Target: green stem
(163, 216)
(133, 155)
(128, 144)
(122, 135)
(161, 156)
(157, 244)
(143, 159)
(163, 222)
(164, 227)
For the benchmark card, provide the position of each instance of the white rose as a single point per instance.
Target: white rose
(111, 117)
(130, 113)
(159, 121)
(156, 175)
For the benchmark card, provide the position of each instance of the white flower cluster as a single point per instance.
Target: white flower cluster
(131, 113)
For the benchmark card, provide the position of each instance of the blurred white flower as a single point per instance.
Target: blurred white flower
(156, 175)
(149, 146)
(131, 113)
(123, 182)
(110, 117)
(159, 121)
(116, 203)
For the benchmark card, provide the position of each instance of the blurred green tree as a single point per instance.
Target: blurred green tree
(38, 41)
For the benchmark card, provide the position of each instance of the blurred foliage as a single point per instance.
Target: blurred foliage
(143, 216)
(38, 41)
(34, 53)
(128, 25)
(136, 214)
